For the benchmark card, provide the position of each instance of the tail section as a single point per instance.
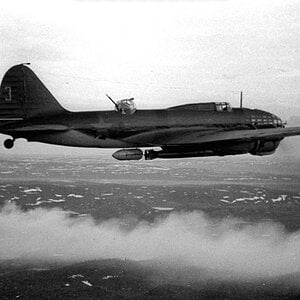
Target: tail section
(23, 95)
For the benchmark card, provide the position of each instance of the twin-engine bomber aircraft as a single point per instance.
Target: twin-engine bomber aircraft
(28, 110)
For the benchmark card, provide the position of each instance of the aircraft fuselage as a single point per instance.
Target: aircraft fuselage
(112, 128)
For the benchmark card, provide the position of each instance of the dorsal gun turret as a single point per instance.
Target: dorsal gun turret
(124, 106)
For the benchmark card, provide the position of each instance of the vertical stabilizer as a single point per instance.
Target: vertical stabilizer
(23, 95)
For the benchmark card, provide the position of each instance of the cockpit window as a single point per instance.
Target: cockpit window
(279, 122)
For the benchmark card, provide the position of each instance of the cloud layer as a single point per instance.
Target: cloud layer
(191, 239)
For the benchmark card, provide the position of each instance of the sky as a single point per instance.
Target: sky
(162, 53)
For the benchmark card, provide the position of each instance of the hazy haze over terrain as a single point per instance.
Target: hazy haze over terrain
(222, 247)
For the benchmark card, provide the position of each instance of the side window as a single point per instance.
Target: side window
(7, 93)
(253, 119)
(218, 107)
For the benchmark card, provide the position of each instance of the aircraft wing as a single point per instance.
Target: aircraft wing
(179, 135)
(199, 135)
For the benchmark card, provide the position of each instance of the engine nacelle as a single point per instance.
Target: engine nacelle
(265, 147)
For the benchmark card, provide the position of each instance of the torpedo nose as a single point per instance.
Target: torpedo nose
(128, 154)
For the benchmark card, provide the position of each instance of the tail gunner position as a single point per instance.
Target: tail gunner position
(28, 110)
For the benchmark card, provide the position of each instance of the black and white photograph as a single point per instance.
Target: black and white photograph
(149, 149)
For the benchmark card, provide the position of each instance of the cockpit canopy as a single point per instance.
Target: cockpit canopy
(207, 106)
(223, 106)
(126, 106)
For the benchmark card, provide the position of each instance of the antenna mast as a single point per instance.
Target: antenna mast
(241, 99)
